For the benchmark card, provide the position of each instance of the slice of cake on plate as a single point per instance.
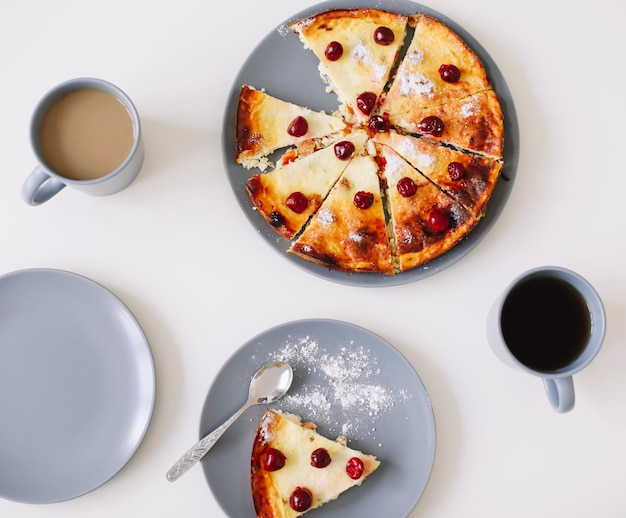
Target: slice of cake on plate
(265, 124)
(295, 469)
(357, 50)
(349, 230)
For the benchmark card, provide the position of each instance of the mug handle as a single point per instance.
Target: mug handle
(560, 392)
(39, 187)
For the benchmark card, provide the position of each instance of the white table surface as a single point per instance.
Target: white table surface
(177, 249)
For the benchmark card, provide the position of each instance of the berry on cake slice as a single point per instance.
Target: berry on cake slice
(265, 124)
(295, 469)
(357, 49)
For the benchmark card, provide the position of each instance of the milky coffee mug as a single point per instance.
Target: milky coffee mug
(549, 322)
(85, 134)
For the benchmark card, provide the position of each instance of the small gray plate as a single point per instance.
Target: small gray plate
(281, 66)
(326, 355)
(77, 385)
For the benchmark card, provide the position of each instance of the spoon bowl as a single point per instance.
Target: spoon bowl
(268, 385)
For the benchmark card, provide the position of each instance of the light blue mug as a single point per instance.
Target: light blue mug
(548, 307)
(44, 182)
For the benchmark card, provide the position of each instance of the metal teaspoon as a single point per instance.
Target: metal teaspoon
(269, 384)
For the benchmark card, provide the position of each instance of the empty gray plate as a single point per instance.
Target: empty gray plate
(77, 385)
(348, 381)
(285, 69)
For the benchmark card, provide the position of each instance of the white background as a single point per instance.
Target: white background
(177, 249)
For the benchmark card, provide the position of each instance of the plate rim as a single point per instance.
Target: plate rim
(252, 344)
(146, 362)
(496, 204)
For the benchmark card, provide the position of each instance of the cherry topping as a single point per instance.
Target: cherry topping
(297, 202)
(334, 50)
(449, 73)
(320, 458)
(354, 468)
(363, 200)
(438, 220)
(383, 36)
(276, 219)
(432, 125)
(365, 102)
(344, 149)
(298, 127)
(456, 170)
(273, 459)
(301, 499)
(406, 187)
(379, 124)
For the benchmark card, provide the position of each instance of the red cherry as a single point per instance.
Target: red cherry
(406, 187)
(456, 170)
(273, 459)
(344, 149)
(431, 125)
(320, 458)
(449, 73)
(363, 200)
(366, 102)
(383, 36)
(298, 127)
(438, 220)
(379, 124)
(297, 202)
(354, 468)
(334, 50)
(301, 499)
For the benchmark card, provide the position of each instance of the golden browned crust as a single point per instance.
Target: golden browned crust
(264, 493)
(328, 20)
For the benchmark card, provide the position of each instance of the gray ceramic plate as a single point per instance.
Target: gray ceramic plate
(77, 385)
(348, 381)
(286, 70)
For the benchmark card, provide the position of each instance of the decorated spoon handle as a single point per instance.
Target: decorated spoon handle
(200, 449)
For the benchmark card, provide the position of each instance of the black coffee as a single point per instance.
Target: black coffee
(545, 323)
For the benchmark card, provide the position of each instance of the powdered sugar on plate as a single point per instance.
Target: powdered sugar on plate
(341, 388)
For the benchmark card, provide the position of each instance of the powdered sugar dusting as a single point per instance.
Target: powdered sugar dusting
(283, 30)
(415, 56)
(468, 109)
(416, 84)
(340, 388)
(363, 55)
(325, 216)
(356, 237)
(425, 160)
(393, 164)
